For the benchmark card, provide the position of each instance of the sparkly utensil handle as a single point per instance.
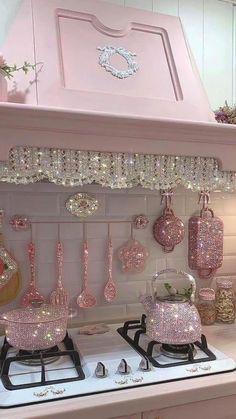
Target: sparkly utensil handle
(59, 263)
(85, 263)
(31, 253)
(185, 274)
(110, 259)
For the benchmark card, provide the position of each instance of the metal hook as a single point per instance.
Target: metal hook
(204, 197)
(167, 196)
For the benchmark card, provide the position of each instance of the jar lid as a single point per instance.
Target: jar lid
(206, 294)
(224, 283)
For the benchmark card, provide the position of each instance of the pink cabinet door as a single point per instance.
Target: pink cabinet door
(147, 72)
(221, 408)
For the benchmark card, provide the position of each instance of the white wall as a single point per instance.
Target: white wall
(210, 26)
(47, 201)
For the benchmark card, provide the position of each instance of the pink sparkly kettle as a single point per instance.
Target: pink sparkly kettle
(172, 319)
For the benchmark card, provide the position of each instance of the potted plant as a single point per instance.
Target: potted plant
(7, 72)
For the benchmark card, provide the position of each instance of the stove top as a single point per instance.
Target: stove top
(122, 358)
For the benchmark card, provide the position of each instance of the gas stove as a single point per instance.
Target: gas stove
(84, 365)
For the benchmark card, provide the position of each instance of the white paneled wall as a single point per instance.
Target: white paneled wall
(47, 201)
(210, 26)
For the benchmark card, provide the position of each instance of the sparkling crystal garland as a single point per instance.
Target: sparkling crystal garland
(115, 170)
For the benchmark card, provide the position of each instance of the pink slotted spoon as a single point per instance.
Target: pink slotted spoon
(32, 293)
(86, 299)
(110, 287)
(59, 296)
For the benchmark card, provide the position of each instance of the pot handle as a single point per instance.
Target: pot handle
(170, 270)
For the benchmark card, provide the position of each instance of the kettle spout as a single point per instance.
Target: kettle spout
(146, 300)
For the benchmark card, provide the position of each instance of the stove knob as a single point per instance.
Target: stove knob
(123, 367)
(145, 365)
(101, 371)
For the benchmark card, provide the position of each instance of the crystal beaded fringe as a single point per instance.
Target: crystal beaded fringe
(114, 170)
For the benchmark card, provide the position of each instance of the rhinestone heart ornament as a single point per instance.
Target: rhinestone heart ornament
(133, 256)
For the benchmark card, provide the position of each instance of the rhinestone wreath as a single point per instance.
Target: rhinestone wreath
(114, 170)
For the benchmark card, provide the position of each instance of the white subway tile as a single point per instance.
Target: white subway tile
(120, 230)
(229, 225)
(33, 203)
(72, 250)
(45, 232)
(229, 245)
(129, 292)
(97, 249)
(229, 265)
(44, 200)
(5, 204)
(46, 251)
(18, 249)
(134, 310)
(177, 263)
(103, 313)
(99, 230)
(71, 231)
(125, 206)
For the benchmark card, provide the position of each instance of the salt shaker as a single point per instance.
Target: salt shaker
(225, 301)
(206, 306)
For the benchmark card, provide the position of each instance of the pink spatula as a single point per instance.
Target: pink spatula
(86, 299)
(110, 287)
(59, 296)
(32, 293)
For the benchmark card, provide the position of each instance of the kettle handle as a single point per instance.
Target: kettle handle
(171, 270)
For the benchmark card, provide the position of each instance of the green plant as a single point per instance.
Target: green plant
(8, 70)
(187, 292)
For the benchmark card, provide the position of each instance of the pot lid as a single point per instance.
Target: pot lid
(172, 299)
(45, 313)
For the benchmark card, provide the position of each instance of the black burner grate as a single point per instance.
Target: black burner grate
(140, 328)
(41, 356)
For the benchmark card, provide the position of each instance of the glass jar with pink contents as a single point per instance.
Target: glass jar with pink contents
(206, 306)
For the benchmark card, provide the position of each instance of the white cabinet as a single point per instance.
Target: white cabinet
(221, 408)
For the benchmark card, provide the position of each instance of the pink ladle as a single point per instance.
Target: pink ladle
(110, 287)
(86, 299)
(32, 294)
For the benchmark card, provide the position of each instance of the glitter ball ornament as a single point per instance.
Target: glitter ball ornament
(20, 223)
(140, 221)
(133, 256)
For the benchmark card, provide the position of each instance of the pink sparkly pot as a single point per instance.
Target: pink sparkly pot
(172, 319)
(35, 328)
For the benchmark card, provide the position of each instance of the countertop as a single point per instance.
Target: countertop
(130, 401)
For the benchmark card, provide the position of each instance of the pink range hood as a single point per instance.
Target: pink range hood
(113, 79)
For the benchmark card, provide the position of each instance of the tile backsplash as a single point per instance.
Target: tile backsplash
(47, 201)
